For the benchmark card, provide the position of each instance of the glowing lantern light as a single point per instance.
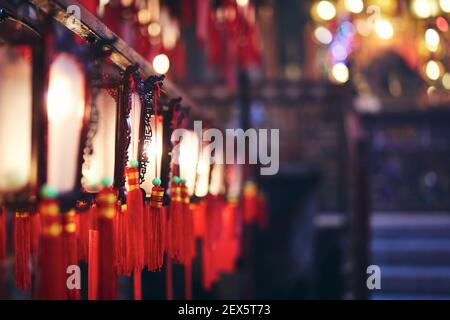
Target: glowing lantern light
(432, 40)
(65, 109)
(445, 5)
(446, 81)
(242, 3)
(203, 172)
(154, 29)
(354, 6)
(161, 64)
(15, 135)
(326, 10)
(340, 72)
(425, 8)
(323, 35)
(188, 158)
(384, 29)
(433, 70)
(101, 163)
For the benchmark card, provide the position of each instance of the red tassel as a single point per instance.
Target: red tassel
(137, 285)
(52, 274)
(199, 217)
(93, 265)
(155, 225)
(175, 236)
(121, 241)
(22, 249)
(3, 234)
(70, 248)
(134, 221)
(35, 232)
(83, 221)
(250, 202)
(188, 227)
(107, 287)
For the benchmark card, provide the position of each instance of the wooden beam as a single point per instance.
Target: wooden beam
(122, 54)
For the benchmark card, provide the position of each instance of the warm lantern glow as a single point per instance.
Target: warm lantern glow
(203, 172)
(154, 29)
(154, 153)
(65, 108)
(433, 70)
(135, 121)
(188, 158)
(432, 39)
(354, 6)
(326, 10)
(217, 183)
(101, 163)
(446, 81)
(425, 8)
(340, 72)
(15, 119)
(161, 64)
(242, 3)
(384, 29)
(445, 5)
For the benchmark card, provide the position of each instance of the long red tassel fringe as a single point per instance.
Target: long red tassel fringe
(52, 276)
(155, 222)
(134, 222)
(22, 249)
(70, 245)
(3, 234)
(107, 287)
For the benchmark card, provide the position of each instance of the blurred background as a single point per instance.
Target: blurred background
(360, 90)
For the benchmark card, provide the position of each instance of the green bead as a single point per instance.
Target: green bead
(156, 181)
(176, 179)
(134, 163)
(183, 181)
(48, 192)
(107, 181)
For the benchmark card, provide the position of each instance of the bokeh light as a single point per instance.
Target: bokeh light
(384, 29)
(323, 35)
(326, 10)
(354, 6)
(433, 70)
(161, 64)
(340, 72)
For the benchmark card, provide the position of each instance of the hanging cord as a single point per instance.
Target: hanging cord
(156, 95)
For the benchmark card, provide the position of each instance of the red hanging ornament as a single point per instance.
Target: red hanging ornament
(156, 224)
(107, 284)
(134, 224)
(3, 234)
(70, 246)
(93, 265)
(120, 240)
(188, 239)
(175, 235)
(22, 249)
(51, 270)
(83, 221)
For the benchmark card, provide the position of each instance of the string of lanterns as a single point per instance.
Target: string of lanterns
(88, 176)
